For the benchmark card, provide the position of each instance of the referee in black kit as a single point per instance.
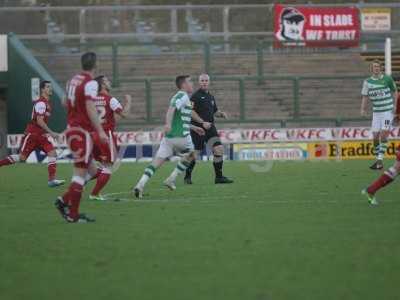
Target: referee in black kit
(206, 108)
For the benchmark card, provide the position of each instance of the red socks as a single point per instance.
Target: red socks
(379, 183)
(52, 169)
(101, 182)
(73, 196)
(7, 161)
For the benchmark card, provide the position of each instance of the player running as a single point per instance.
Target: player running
(389, 175)
(109, 110)
(381, 90)
(84, 132)
(177, 137)
(37, 136)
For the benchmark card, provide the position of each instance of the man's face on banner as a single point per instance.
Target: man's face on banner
(293, 29)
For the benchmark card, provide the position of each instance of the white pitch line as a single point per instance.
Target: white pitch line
(216, 200)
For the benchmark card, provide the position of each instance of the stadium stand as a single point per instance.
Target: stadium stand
(268, 99)
(276, 86)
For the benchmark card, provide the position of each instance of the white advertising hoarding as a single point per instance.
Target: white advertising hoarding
(246, 136)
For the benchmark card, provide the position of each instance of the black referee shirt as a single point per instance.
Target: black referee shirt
(204, 105)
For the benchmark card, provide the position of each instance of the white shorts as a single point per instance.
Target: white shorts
(171, 146)
(381, 121)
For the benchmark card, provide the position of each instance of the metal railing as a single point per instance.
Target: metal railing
(205, 51)
(294, 100)
(292, 97)
(87, 22)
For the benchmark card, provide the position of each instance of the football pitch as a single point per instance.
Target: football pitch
(300, 231)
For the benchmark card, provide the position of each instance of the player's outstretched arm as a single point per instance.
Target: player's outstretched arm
(198, 130)
(126, 107)
(221, 114)
(198, 119)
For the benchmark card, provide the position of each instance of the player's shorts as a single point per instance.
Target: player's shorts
(381, 121)
(102, 152)
(80, 143)
(31, 142)
(174, 146)
(211, 138)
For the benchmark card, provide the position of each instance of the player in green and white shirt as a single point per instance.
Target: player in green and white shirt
(177, 139)
(381, 90)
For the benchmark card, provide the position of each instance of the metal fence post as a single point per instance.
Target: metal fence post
(260, 62)
(207, 58)
(115, 71)
(82, 25)
(149, 99)
(225, 25)
(174, 24)
(242, 100)
(296, 99)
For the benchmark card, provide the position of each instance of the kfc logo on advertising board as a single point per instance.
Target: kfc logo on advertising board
(316, 26)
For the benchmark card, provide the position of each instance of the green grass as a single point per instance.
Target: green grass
(300, 231)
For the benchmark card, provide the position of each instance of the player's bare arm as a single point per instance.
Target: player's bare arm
(221, 114)
(363, 111)
(95, 120)
(168, 119)
(126, 104)
(197, 119)
(40, 121)
(198, 130)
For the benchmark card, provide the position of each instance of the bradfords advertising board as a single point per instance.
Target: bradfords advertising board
(348, 150)
(316, 26)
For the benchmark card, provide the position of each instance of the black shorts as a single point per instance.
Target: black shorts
(211, 137)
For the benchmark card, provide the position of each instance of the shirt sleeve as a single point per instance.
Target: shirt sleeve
(364, 90)
(115, 105)
(181, 102)
(40, 108)
(91, 89)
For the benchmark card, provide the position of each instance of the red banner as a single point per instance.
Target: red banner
(316, 26)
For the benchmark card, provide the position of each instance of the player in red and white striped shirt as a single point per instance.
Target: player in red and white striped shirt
(109, 110)
(37, 136)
